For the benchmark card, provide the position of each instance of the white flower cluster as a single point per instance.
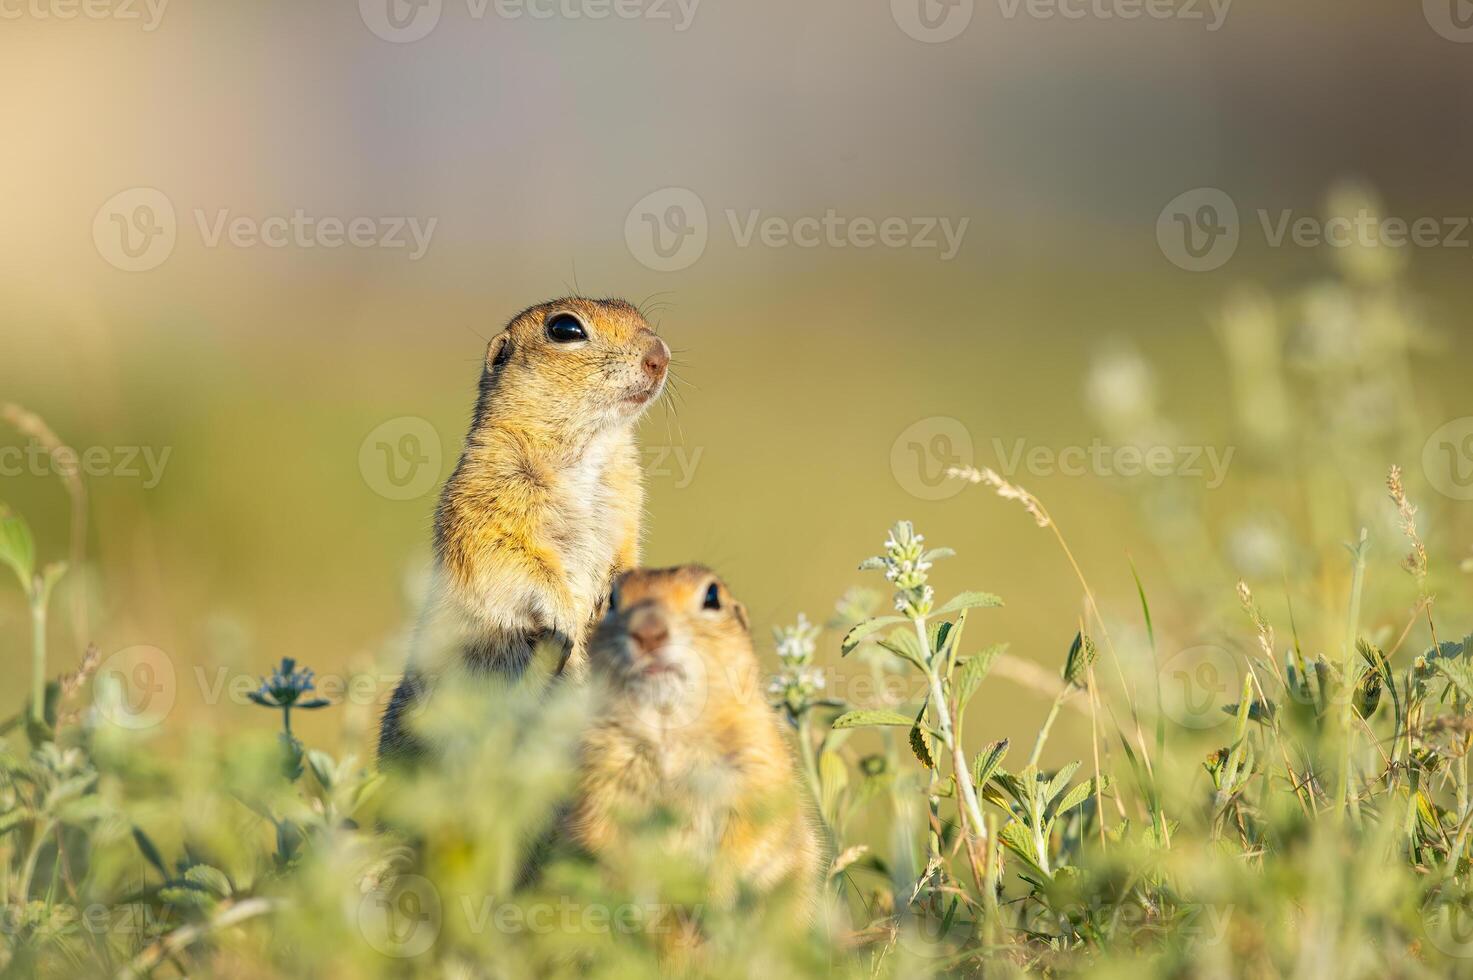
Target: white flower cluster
(905, 564)
(798, 683)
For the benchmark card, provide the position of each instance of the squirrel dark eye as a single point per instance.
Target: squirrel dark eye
(565, 328)
(713, 597)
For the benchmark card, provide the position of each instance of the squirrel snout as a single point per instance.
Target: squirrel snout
(656, 359)
(649, 631)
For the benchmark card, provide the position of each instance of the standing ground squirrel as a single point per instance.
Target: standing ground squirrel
(685, 732)
(545, 506)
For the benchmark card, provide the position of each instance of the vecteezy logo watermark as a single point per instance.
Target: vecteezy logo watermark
(400, 459)
(401, 918)
(1099, 459)
(922, 454)
(136, 687)
(148, 12)
(404, 21)
(668, 229)
(136, 230)
(1198, 230)
(1197, 683)
(1447, 459)
(400, 21)
(1448, 926)
(1452, 19)
(932, 21)
(144, 463)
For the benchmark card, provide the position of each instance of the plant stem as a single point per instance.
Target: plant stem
(28, 870)
(1048, 724)
(965, 790)
(810, 763)
(38, 655)
(1352, 631)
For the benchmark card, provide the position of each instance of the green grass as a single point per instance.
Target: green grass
(1272, 781)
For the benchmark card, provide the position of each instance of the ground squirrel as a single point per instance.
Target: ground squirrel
(685, 732)
(545, 506)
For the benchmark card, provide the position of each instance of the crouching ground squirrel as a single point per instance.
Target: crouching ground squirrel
(685, 733)
(545, 505)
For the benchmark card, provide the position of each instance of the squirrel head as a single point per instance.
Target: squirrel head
(573, 367)
(675, 643)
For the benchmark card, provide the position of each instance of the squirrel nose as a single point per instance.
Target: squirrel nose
(649, 631)
(656, 360)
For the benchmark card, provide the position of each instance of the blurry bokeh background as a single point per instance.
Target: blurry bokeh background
(825, 387)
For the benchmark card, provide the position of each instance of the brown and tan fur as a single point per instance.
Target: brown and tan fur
(545, 505)
(685, 730)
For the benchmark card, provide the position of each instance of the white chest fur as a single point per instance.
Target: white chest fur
(587, 536)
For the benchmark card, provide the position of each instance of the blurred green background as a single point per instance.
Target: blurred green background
(263, 371)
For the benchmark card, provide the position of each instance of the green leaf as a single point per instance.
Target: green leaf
(212, 880)
(987, 762)
(15, 818)
(1368, 693)
(17, 547)
(856, 635)
(323, 767)
(940, 631)
(83, 810)
(1457, 673)
(903, 644)
(969, 600)
(1081, 656)
(974, 671)
(1060, 781)
(920, 742)
(1078, 795)
(186, 897)
(936, 554)
(1012, 785)
(150, 852)
(1017, 838)
(872, 716)
(68, 789)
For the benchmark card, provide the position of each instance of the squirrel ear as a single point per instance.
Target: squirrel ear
(741, 615)
(499, 351)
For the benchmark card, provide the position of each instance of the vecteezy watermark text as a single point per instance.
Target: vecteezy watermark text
(149, 13)
(838, 231)
(136, 230)
(405, 21)
(1101, 459)
(936, 21)
(667, 230)
(144, 463)
(1199, 230)
(1212, 12)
